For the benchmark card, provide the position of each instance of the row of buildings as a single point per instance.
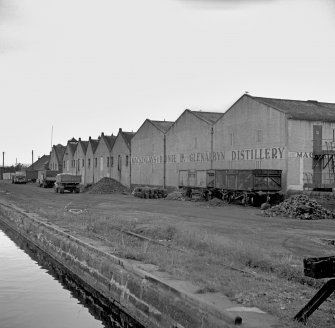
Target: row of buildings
(297, 137)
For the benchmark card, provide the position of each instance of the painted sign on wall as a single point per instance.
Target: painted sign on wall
(179, 158)
(257, 154)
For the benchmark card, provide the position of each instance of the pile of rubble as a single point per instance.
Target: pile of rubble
(176, 195)
(107, 186)
(149, 192)
(300, 207)
(216, 202)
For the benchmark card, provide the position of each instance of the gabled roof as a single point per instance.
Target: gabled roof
(309, 110)
(94, 144)
(41, 164)
(59, 151)
(72, 145)
(110, 140)
(209, 117)
(128, 136)
(84, 145)
(162, 125)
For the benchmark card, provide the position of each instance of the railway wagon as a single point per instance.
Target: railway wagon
(254, 186)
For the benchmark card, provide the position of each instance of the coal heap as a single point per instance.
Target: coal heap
(300, 207)
(107, 186)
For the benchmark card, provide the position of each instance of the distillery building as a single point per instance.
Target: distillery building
(148, 150)
(297, 137)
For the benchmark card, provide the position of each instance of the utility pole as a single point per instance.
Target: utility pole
(32, 159)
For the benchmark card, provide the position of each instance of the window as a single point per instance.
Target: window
(89, 163)
(101, 163)
(96, 162)
(78, 164)
(107, 161)
(83, 163)
(259, 136)
(112, 161)
(127, 160)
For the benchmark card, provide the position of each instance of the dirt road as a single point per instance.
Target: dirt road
(295, 237)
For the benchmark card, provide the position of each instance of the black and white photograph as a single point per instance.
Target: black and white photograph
(167, 164)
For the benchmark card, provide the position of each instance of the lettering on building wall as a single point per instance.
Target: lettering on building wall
(179, 158)
(257, 154)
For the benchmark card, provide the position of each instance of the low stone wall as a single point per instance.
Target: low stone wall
(146, 298)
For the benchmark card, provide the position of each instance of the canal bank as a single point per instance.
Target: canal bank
(153, 301)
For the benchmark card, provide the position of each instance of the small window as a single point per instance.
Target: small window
(89, 163)
(107, 161)
(127, 160)
(101, 163)
(78, 164)
(96, 162)
(83, 163)
(112, 161)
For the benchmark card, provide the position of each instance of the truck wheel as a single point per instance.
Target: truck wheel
(77, 190)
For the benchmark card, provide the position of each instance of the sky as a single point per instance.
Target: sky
(76, 68)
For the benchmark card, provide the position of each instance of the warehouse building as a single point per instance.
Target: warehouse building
(79, 158)
(189, 147)
(147, 156)
(102, 157)
(91, 148)
(69, 165)
(56, 157)
(294, 136)
(120, 157)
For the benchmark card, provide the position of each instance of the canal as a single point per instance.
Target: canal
(35, 291)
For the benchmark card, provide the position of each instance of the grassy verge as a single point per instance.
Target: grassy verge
(237, 268)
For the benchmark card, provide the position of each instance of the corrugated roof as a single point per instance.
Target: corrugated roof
(210, 117)
(310, 110)
(162, 125)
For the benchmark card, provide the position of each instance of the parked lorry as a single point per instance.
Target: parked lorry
(66, 181)
(46, 178)
(18, 178)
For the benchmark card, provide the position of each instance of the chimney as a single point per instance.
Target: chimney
(79, 139)
(120, 130)
(102, 134)
(89, 138)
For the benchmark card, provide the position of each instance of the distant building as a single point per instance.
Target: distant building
(69, 165)
(80, 159)
(41, 164)
(90, 159)
(56, 157)
(102, 157)
(120, 157)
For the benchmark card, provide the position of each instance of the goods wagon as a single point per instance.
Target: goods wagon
(247, 186)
